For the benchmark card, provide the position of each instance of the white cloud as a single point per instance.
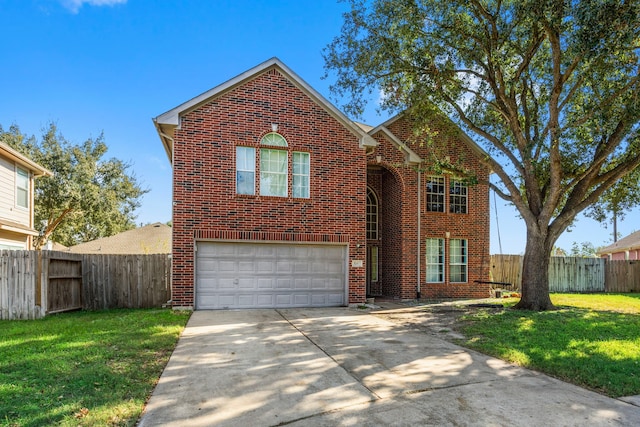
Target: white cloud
(75, 5)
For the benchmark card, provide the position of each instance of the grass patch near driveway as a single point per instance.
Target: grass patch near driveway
(84, 368)
(591, 340)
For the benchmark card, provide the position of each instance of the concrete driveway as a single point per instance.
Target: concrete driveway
(342, 367)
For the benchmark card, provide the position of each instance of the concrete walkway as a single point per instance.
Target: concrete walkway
(342, 367)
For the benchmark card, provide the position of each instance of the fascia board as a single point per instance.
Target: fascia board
(24, 161)
(171, 118)
(411, 156)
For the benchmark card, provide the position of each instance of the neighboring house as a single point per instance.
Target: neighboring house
(280, 200)
(17, 173)
(150, 239)
(627, 248)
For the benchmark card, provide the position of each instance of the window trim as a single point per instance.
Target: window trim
(441, 258)
(307, 187)
(253, 171)
(456, 199)
(264, 175)
(27, 189)
(441, 182)
(464, 257)
(375, 215)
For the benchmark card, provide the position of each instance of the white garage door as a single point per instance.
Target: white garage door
(269, 275)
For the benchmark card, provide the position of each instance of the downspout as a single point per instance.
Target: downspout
(419, 222)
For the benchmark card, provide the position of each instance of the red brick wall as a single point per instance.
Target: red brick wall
(204, 176)
(472, 226)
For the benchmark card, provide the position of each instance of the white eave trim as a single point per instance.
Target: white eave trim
(410, 156)
(23, 160)
(19, 230)
(172, 117)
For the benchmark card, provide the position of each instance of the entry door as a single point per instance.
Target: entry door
(373, 270)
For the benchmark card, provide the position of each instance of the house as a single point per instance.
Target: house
(17, 173)
(625, 249)
(280, 200)
(150, 239)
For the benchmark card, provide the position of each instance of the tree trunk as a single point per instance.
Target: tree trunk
(535, 273)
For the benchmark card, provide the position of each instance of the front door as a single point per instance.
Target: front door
(373, 282)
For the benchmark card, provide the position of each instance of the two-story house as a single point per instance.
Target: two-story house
(280, 200)
(17, 173)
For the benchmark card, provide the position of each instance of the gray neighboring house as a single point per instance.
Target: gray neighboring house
(17, 173)
(150, 239)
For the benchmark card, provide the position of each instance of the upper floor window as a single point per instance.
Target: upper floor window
(457, 197)
(22, 188)
(301, 175)
(435, 194)
(274, 169)
(245, 170)
(372, 215)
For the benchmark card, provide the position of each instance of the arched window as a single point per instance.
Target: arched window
(372, 215)
(273, 166)
(273, 157)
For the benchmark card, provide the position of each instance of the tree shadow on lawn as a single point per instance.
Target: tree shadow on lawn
(595, 349)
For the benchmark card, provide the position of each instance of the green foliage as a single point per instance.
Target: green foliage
(84, 368)
(550, 89)
(584, 249)
(595, 341)
(88, 197)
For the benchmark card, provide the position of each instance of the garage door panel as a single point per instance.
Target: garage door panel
(265, 282)
(284, 283)
(269, 275)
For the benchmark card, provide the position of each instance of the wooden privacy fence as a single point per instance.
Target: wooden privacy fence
(573, 274)
(622, 276)
(36, 283)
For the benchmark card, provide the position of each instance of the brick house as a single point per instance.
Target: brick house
(280, 200)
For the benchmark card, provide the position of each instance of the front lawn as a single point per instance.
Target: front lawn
(592, 340)
(84, 368)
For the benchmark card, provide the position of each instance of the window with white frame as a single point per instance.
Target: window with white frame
(435, 194)
(22, 188)
(435, 260)
(274, 169)
(458, 260)
(301, 175)
(245, 170)
(273, 172)
(372, 215)
(457, 197)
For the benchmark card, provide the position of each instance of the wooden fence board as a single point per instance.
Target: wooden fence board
(18, 285)
(62, 281)
(622, 276)
(507, 269)
(566, 274)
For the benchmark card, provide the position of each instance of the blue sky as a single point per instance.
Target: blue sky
(109, 66)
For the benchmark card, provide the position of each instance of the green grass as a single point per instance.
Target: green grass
(84, 368)
(591, 340)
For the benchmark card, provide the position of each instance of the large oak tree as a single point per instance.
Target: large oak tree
(549, 88)
(87, 197)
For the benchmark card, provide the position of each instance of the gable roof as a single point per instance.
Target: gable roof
(166, 123)
(150, 239)
(410, 156)
(21, 159)
(632, 241)
(479, 151)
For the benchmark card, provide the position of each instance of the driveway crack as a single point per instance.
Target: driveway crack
(329, 356)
